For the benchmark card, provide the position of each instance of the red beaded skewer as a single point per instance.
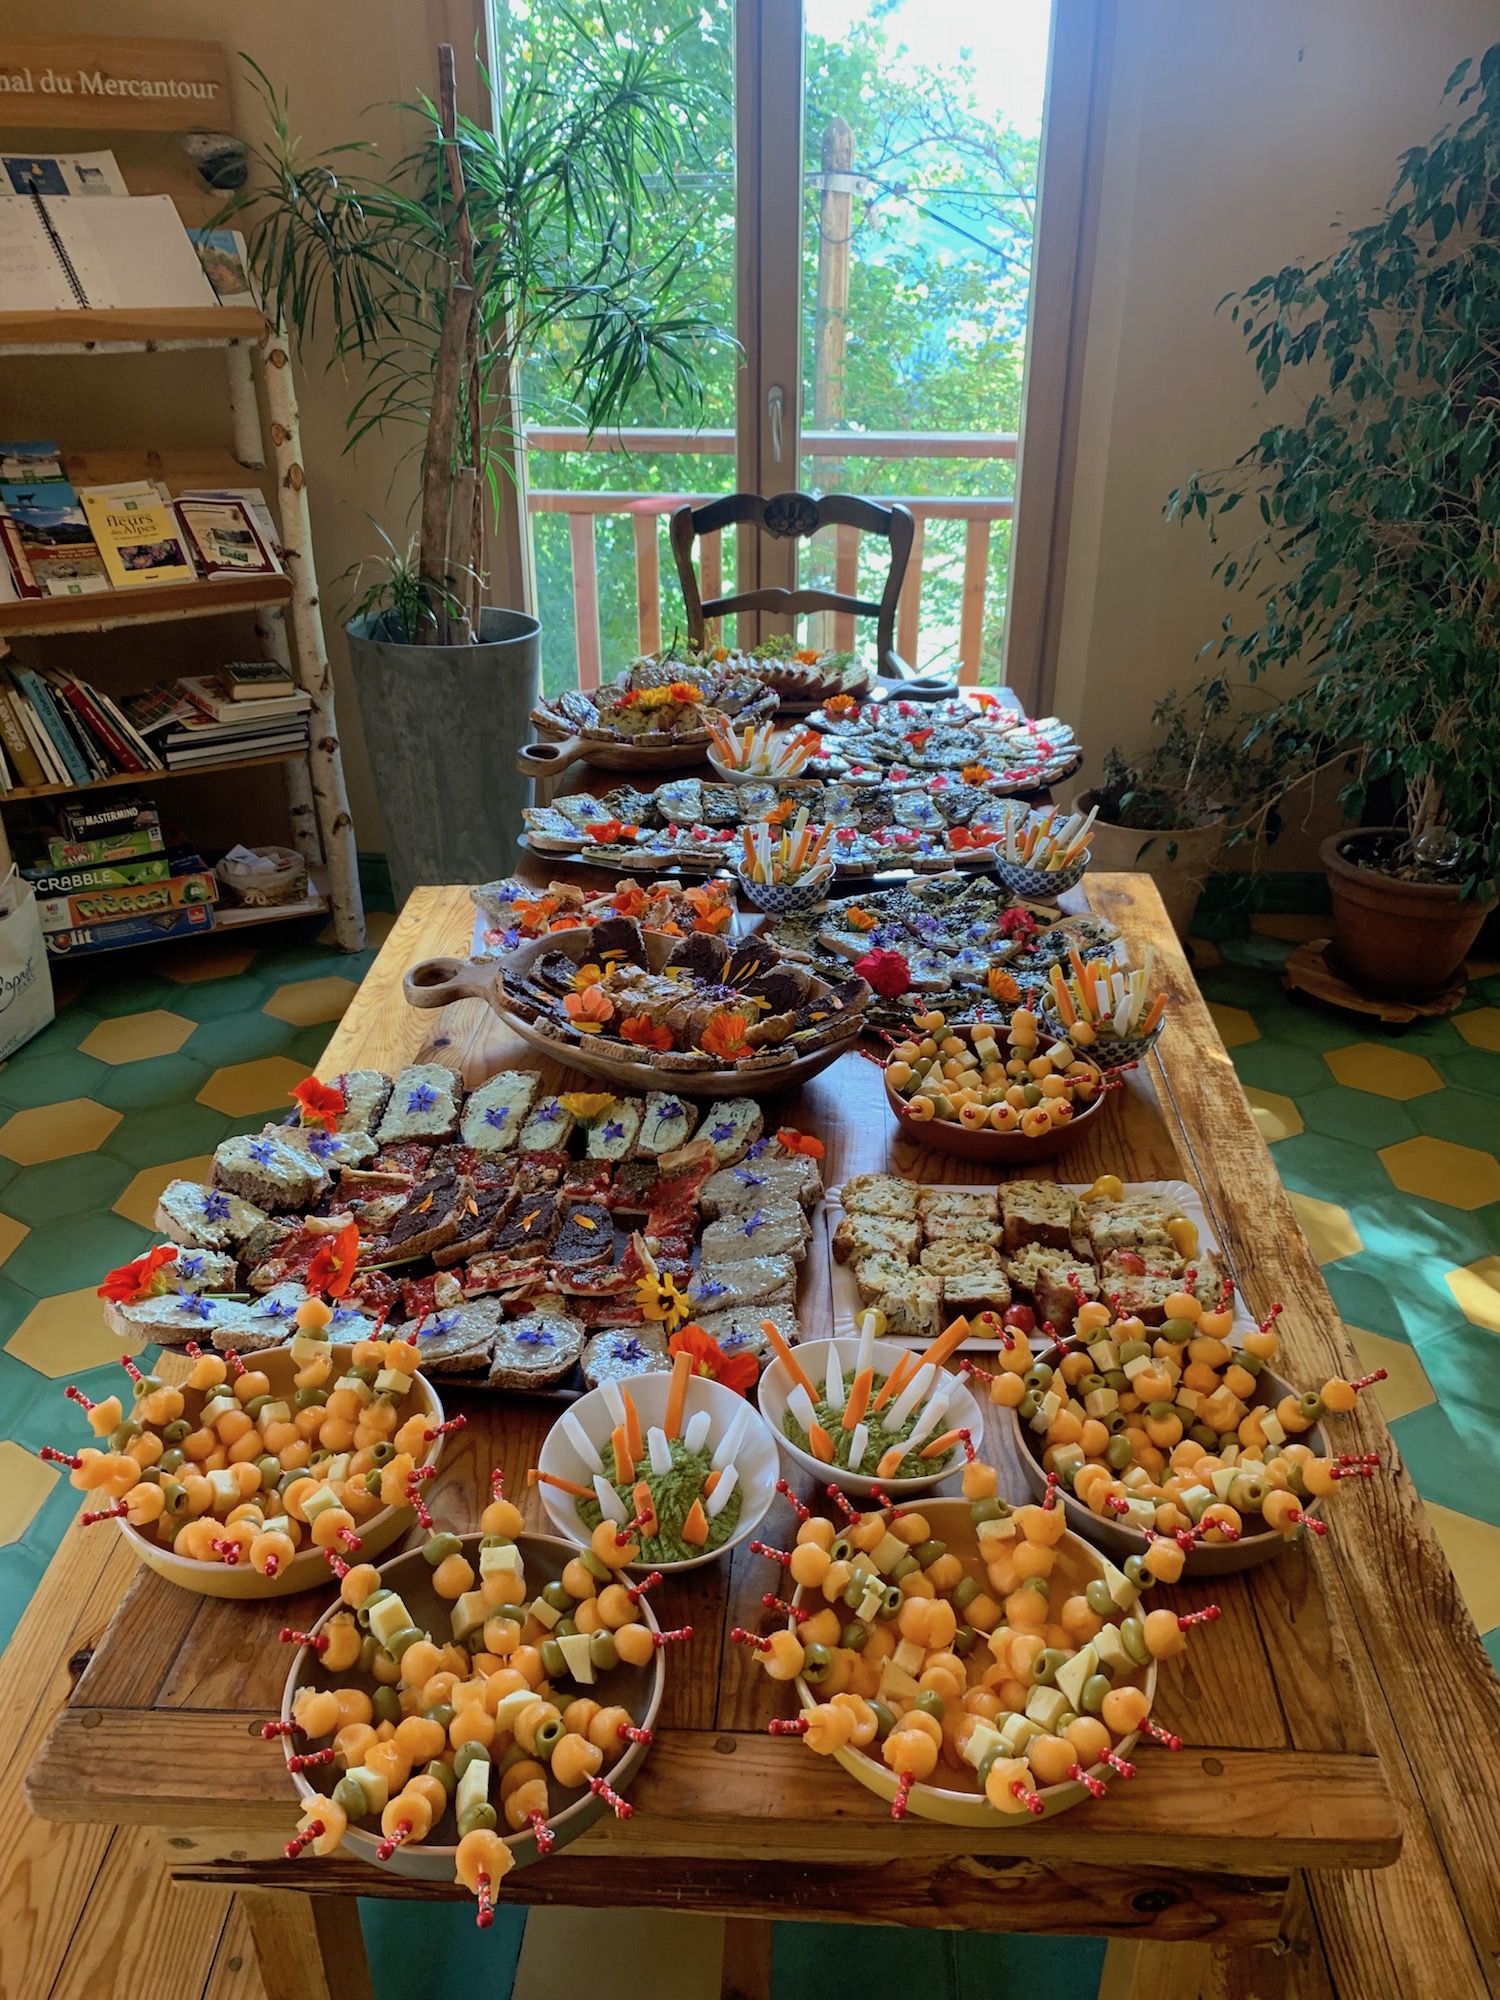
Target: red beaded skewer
(636, 1591)
(1313, 1526)
(1095, 1787)
(803, 1512)
(967, 1367)
(1204, 1617)
(743, 1638)
(883, 1499)
(1273, 1314)
(271, 1730)
(622, 1808)
(399, 1834)
(628, 1732)
(1353, 1471)
(639, 1525)
(229, 1551)
(1051, 1500)
(236, 1366)
(131, 1370)
(75, 1395)
(317, 1640)
(793, 1611)
(115, 1513)
(782, 1556)
(680, 1636)
(311, 1759)
(1159, 1735)
(414, 1495)
(55, 1457)
(484, 1916)
(334, 1561)
(1366, 1381)
(497, 1484)
(903, 1792)
(782, 1725)
(840, 1500)
(1030, 1799)
(1118, 1764)
(546, 1839)
(457, 1423)
(304, 1839)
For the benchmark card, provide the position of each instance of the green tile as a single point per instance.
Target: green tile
(1395, 1284)
(154, 1082)
(22, 1568)
(175, 1132)
(1488, 1221)
(1492, 1647)
(307, 1044)
(1364, 1297)
(50, 1080)
(872, 1960)
(1453, 1454)
(112, 997)
(1360, 1118)
(29, 1410)
(213, 999)
(1253, 950)
(994, 1965)
(437, 1949)
(1302, 1026)
(1238, 986)
(66, 1187)
(238, 1038)
(1463, 1366)
(61, 1037)
(15, 1303)
(61, 1256)
(315, 961)
(1460, 1115)
(1331, 1169)
(1274, 1066)
(1429, 1038)
(1470, 1069)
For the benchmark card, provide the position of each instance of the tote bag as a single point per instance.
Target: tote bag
(26, 1004)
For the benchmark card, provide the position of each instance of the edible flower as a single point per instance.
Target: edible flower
(1018, 924)
(685, 693)
(608, 831)
(139, 1280)
(1002, 984)
(917, 738)
(711, 911)
(793, 1141)
(333, 1267)
(645, 1033)
(738, 1372)
(886, 972)
(839, 704)
(724, 1035)
(661, 1301)
(587, 975)
(586, 1104)
(590, 1010)
(859, 919)
(976, 774)
(533, 916)
(629, 900)
(320, 1102)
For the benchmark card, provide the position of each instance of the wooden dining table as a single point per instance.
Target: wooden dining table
(1328, 1827)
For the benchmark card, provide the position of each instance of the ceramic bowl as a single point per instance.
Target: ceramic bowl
(638, 1689)
(756, 1457)
(1042, 885)
(1078, 1564)
(728, 775)
(1119, 1541)
(307, 1570)
(985, 1145)
(963, 1413)
(1111, 1052)
(787, 899)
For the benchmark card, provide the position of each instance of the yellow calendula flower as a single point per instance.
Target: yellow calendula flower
(586, 1104)
(661, 1301)
(587, 975)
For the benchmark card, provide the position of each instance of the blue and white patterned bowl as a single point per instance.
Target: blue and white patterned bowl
(1043, 885)
(1109, 1051)
(788, 899)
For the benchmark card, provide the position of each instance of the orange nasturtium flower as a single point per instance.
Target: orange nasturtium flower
(738, 1372)
(321, 1103)
(1002, 984)
(332, 1269)
(685, 693)
(838, 704)
(808, 657)
(589, 1010)
(712, 911)
(629, 899)
(138, 1280)
(724, 1036)
(645, 1033)
(792, 1141)
(858, 919)
(976, 774)
(587, 975)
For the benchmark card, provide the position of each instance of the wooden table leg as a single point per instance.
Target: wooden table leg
(747, 1959)
(309, 1947)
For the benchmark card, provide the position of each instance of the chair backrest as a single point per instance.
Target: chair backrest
(797, 515)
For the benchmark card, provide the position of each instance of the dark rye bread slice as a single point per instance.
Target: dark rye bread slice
(435, 1212)
(485, 1211)
(586, 1237)
(701, 956)
(529, 1228)
(617, 939)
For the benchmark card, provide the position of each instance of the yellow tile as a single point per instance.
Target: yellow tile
(52, 1131)
(311, 1000)
(214, 959)
(133, 1037)
(1235, 1026)
(1290, 925)
(1205, 954)
(1276, 1117)
(1438, 1170)
(1473, 1549)
(1406, 1387)
(25, 1482)
(11, 1233)
(1382, 1070)
(65, 1334)
(249, 1086)
(1327, 1227)
(1480, 1028)
(1476, 1286)
(138, 1202)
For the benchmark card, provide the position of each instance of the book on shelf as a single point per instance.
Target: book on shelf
(55, 537)
(256, 680)
(256, 506)
(24, 463)
(221, 252)
(214, 701)
(63, 253)
(61, 173)
(156, 708)
(55, 737)
(19, 753)
(233, 749)
(137, 535)
(103, 819)
(224, 537)
(192, 920)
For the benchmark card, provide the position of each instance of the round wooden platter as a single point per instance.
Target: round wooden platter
(1313, 969)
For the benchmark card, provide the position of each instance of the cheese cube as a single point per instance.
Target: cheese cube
(274, 1413)
(887, 1552)
(983, 1738)
(469, 1614)
(389, 1617)
(1187, 1400)
(1101, 1402)
(358, 1385)
(497, 1561)
(392, 1382)
(869, 1605)
(374, 1787)
(509, 1706)
(1047, 1409)
(317, 1502)
(474, 1785)
(909, 1656)
(1122, 1591)
(226, 1490)
(1003, 1530)
(1140, 1511)
(1110, 1648)
(896, 1681)
(1044, 1706)
(1139, 1364)
(307, 1346)
(1105, 1355)
(1273, 1427)
(575, 1650)
(1072, 1674)
(1194, 1500)
(1018, 1731)
(544, 1613)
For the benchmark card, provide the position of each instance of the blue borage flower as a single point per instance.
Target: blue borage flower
(744, 1175)
(188, 1265)
(275, 1309)
(196, 1306)
(548, 1112)
(497, 1115)
(629, 1349)
(216, 1206)
(510, 939)
(736, 1337)
(343, 1314)
(444, 1323)
(534, 1336)
(321, 1144)
(670, 1108)
(755, 1220)
(422, 1098)
(709, 1288)
(614, 1129)
(262, 1151)
(721, 1132)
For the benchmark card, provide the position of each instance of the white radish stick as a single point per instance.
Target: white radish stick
(928, 1420)
(695, 1432)
(866, 1356)
(894, 1417)
(610, 1504)
(658, 1451)
(801, 1406)
(716, 1502)
(859, 1438)
(582, 1443)
(729, 1444)
(833, 1381)
(1123, 1013)
(614, 1402)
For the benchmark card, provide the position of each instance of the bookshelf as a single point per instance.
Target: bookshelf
(142, 128)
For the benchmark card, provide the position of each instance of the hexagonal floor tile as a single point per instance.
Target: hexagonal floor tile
(51, 1131)
(1460, 1115)
(1329, 1231)
(1406, 1387)
(239, 1038)
(310, 1001)
(378, 927)
(1476, 1287)
(1235, 1026)
(1276, 1117)
(1451, 1456)
(1382, 1070)
(130, 1038)
(218, 997)
(114, 995)
(243, 1088)
(1480, 1027)
(1459, 1176)
(1463, 1366)
(1473, 1550)
(1264, 954)
(55, 1254)
(24, 1086)
(12, 1233)
(60, 1188)
(25, 1483)
(1239, 986)
(64, 1334)
(1362, 1120)
(138, 1202)
(158, 1080)
(1331, 1168)
(1301, 1026)
(59, 1038)
(215, 958)
(1470, 1069)
(150, 1138)
(1274, 1066)
(306, 1046)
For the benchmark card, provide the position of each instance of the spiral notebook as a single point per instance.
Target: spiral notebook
(59, 253)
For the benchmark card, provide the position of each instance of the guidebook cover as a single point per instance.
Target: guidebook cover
(54, 534)
(136, 531)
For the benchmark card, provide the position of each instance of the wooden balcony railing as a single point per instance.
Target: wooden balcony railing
(646, 510)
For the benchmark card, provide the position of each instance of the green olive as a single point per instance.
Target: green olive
(349, 1796)
(885, 1722)
(370, 1649)
(362, 1611)
(1096, 1596)
(307, 1399)
(382, 1453)
(172, 1461)
(603, 1652)
(176, 1497)
(149, 1475)
(599, 1571)
(1137, 1573)
(1134, 1350)
(891, 1603)
(478, 1818)
(927, 1553)
(817, 1664)
(511, 1755)
(372, 1483)
(467, 1754)
(1119, 1452)
(548, 1735)
(929, 1702)
(1089, 1385)
(1203, 1434)
(855, 1635)
(268, 1467)
(319, 1455)
(842, 1549)
(553, 1657)
(963, 1641)
(854, 1592)
(1161, 1410)
(564, 1628)
(386, 1703)
(1095, 1688)
(1246, 1495)
(907, 1566)
(1178, 1331)
(1038, 1376)
(1310, 1403)
(255, 1405)
(964, 1592)
(1027, 1407)
(147, 1385)
(1133, 1638)
(125, 1434)
(985, 1510)
(988, 1762)
(440, 1769)
(1114, 1422)
(441, 1713)
(176, 1431)
(1251, 1363)
(398, 1642)
(1064, 1722)
(1116, 1379)
(438, 1547)
(1044, 1669)
(557, 1597)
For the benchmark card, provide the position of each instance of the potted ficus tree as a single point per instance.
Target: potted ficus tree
(1377, 560)
(435, 280)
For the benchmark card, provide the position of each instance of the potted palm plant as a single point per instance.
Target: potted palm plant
(1376, 563)
(436, 280)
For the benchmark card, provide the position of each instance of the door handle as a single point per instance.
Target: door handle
(775, 403)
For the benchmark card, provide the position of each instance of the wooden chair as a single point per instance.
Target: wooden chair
(796, 516)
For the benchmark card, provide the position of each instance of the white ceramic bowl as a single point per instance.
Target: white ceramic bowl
(728, 775)
(756, 1458)
(963, 1412)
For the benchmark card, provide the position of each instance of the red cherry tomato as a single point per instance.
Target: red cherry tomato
(1129, 1260)
(1021, 1319)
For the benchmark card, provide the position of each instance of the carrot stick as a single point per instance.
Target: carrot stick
(945, 1343)
(1067, 1013)
(894, 1382)
(1158, 1008)
(710, 1483)
(535, 1478)
(645, 1506)
(821, 1443)
(887, 1466)
(624, 1463)
(632, 1423)
(682, 1367)
(859, 1397)
(695, 1525)
(784, 1354)
(942, 1444)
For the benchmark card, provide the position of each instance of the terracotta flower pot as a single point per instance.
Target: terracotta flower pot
(1393, 936)
(1178, 862)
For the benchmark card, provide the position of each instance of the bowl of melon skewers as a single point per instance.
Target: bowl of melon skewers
(994, 1668)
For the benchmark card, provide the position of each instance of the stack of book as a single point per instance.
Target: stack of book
(108, 879)
(58, 730)
(249, 708)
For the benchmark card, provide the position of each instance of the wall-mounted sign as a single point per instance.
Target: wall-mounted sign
(110, 83)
